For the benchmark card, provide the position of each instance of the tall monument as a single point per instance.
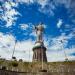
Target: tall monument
(39, 50)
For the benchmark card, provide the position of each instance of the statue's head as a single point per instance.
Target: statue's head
(40, 27)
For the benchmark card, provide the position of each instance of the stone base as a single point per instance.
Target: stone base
(39, 54)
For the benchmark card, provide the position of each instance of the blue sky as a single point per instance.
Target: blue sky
(17, 21)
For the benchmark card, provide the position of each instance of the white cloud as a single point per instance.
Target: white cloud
(65, 2)
(42, 2)
(47, 8)
(45, 26)
(25, 45)
(51, 6)
(25, 1)
(60, 56)
(6, 39)
(60, 42)
(69, 4)
(33, 34)
(59, 23)
(55, 56)
(10, 4)
(6, 45)
(10, 13)
(24, 26)
(56, 49)
(57, 43)
(26, 48)
(9, 17)
(22, 49)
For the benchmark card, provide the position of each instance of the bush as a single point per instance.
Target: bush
(14, 63)
(20, 60)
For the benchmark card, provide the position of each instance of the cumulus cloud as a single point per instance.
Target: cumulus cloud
(60, 42)
(59, 23)
(6, 45)
(69, 4)
(43, 3)
(9, 13)
(24, 1)
(33, 34)
(65, 2)
(26, 48)
(22, 49)
(47, 7)
(60, 55)
(24, 26)
(57, 48)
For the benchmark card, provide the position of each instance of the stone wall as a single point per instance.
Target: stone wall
(30, 68)
(6, 72)
(60, 69)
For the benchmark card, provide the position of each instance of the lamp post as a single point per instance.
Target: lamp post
(42, 57)
(14, 50)
(66, 59)
(29, 55)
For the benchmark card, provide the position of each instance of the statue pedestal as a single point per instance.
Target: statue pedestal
(39, 53)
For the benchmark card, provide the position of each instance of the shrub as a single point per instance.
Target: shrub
(14, 63)
(20, 60)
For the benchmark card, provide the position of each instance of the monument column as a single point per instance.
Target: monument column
(39, 50)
